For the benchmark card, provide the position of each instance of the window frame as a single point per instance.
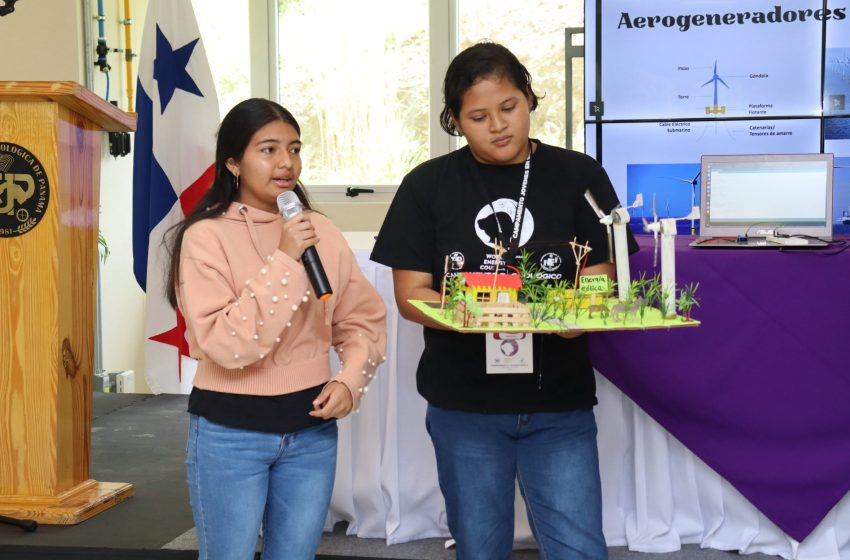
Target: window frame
(443, 45)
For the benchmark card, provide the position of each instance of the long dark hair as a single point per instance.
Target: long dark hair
(236, 130)
(475, 63)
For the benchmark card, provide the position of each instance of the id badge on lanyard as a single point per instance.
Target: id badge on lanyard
(509, 353)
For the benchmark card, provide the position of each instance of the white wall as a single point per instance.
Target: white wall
(122, 300)
(41, 41)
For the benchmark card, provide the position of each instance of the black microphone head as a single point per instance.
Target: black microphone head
(288, 204)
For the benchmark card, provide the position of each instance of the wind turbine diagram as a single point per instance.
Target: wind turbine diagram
(715, 79)
(616, 223)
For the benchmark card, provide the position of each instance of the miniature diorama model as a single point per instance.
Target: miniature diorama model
(520, 299)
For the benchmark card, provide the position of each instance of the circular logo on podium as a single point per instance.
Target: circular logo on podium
(24, 190)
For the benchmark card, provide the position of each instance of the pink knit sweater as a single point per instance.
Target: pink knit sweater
(252, 321)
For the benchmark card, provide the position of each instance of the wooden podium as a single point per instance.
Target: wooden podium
(50, 155)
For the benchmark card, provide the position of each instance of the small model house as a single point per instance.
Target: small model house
(490, 301)
(492, 288)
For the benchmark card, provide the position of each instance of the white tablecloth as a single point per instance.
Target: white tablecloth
(656, 494)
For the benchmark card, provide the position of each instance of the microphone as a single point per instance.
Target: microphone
(290, 206)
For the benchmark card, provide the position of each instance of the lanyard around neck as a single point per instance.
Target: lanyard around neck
(520, 205)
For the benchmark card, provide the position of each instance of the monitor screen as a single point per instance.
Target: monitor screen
(756, 195)
(668, 59)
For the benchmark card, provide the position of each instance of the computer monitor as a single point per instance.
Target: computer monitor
(767, 194)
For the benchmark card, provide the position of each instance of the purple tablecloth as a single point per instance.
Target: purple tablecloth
(761, 390)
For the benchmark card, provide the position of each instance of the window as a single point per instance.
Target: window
(355, 75)
(534, 31)
(363, 78)
(224, 27)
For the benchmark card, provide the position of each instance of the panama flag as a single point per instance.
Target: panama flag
(173, 166)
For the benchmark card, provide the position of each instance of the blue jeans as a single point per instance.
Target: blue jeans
(241, 478)
(553, 455)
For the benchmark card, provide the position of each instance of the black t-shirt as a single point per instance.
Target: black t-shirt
(454, 206)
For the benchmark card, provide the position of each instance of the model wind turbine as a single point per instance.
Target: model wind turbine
(617, 222)
(667, 228)
(715, 78)
(654, 231)
(693, 184)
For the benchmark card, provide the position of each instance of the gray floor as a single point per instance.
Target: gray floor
(338, 544)
(141, 439)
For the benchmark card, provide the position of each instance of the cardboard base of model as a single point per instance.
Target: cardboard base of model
(609, 314)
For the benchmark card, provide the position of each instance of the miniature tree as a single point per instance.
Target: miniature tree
(533, 287)
(642, 287)
(662, 300)
(543, 311)
(652, 291)
(470, 308)
(577, 295)
(553, 302)
(454, 293)
(687, 300)
(558, 294)
(455, 305)
(612, 285)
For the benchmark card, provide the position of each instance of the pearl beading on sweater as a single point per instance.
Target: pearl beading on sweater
(372, 363)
